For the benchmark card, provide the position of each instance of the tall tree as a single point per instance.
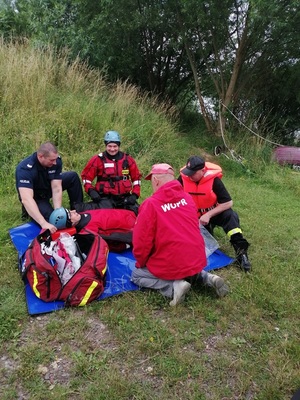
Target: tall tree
(235, 39)
(230, 54)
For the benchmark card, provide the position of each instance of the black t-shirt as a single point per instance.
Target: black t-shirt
(221, 192)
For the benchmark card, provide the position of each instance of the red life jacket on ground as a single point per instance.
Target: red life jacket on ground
(202, 193)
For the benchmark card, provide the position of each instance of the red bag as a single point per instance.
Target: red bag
(44, 271)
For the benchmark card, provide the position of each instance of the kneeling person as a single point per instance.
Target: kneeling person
(39, 178)
(167, 244)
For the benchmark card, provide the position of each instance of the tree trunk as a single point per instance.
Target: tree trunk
(238, 63)
(204, 112)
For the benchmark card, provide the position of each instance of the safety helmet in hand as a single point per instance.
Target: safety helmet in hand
(60, 218)
(112, 137)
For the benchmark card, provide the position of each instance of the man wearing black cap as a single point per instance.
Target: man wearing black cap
(202, 180)
(118, 179)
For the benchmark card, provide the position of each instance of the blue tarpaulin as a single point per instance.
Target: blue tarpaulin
(120, 266)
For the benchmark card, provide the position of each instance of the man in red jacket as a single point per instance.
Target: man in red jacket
(167, 244)
(116, 175)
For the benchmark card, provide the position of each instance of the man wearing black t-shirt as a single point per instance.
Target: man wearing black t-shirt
(202, 180)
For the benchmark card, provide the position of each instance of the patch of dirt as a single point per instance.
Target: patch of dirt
(59, 370)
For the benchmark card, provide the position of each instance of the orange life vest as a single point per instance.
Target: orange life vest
(202, 193)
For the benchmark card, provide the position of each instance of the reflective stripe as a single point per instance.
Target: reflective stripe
(106, 255)
(86, 181)
(104, 269)
(136, 183)
(34, 286)
(234, 231)
(109, 165)
(88, 293)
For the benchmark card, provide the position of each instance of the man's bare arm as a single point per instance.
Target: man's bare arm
(31, 207)
(56, 186)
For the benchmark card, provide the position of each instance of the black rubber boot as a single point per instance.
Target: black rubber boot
(244, 262)
(241, 246)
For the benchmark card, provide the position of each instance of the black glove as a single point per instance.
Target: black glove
(130, 200)
(94, 195)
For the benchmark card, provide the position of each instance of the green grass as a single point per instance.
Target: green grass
(134, 346)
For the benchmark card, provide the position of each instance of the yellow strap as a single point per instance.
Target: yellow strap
(104, 269)
(34, 286)
(234, 231)
(106, 255)
(88, 293)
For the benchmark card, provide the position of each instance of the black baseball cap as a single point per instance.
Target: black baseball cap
(193, 164)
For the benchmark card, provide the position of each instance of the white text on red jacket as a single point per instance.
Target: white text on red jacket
(171, 206)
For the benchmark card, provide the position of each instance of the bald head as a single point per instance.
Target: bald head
(164, 178)
(159, 180)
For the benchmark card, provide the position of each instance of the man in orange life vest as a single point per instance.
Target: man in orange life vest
(118, 179)
(203, 181)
